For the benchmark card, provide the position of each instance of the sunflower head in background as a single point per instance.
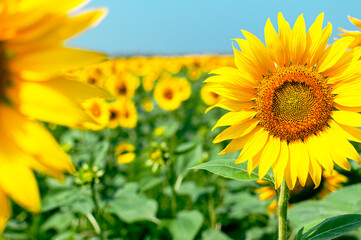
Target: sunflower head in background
(293, 103)
(355, 34)
(329, 183)
(32, 87)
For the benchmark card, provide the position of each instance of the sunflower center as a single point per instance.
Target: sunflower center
(122, 90)
(294, 102)
(168, 94)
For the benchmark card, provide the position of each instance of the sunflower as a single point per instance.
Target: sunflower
(167, 94)
(330, 182)
(98, 109)
(123, 113)
(123, 84)
(32, 87)
(209, 98)
(124, 152)
(293, 103)
(355, 34)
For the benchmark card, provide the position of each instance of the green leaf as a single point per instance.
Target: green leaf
(332, 228)
(212, 234)
(185, 147)
(241, 204)
(334, 204)
(228, 169)
(59, 221)
(190, 188)
(188, 160)
(131, 206)
(186, 225)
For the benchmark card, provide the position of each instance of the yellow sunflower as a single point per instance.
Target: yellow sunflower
(167, 94)
(123, 113)
(123, 84)
(355, 34)
(209, 98)
(293, 103)
(31, 57)
(124, 152)
(98, 109)
(330, 182)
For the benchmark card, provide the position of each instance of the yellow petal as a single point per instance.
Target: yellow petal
(75, 89)
(273, 43)
(263, 60)
(126, 158)
(46, 104)
(315, 171)
(284, 30)
(232, 105)
(347, 118)
(298, 40)
(233, 76)
(338, 154)
(245, 65)
(333, 53)
(237, 130)
(355, 21)
(5, 210)
(27, 135)
(300, 161)
(318, 149)
(55, 59)
(348, 100)
(238, 143)
(269, 155)
(16, 178)
(230, 91)
(253, 146)
(232, 118)
(280, 166)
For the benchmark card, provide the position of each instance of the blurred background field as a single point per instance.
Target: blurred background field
(134, 178)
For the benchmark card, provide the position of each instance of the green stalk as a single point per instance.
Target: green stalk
(282, 211)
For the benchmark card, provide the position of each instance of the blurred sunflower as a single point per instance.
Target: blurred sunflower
(123, 84)
(98, 109)
(184, 88)
(355, 34)
(31, 57)
(123, 113)
(124, 152)
(293, 104)
(209, 98)
(329, 183)
(167, 94)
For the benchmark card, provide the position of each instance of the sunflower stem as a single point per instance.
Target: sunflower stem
(282, 211)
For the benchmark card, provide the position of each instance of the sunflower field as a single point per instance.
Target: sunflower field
(138, 172)
(260, 145)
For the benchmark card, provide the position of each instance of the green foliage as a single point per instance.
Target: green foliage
(227, 168)
(331, 228)
(165, 192)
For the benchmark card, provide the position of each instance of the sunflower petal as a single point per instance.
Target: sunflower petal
(269, 156)
(44, 103)
(5, 210)
(333, 53)
(347, 118)
(236, 131)
(232, 118)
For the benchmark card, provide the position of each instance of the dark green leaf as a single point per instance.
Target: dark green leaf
(212, 234)
(186, 225)
(130, 206)
(228, 169)
(333, 227)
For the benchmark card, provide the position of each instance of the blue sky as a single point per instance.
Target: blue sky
(170, 27)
